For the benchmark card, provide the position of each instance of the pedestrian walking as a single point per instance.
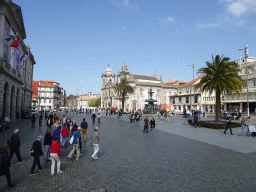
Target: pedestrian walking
(95, 143)
(175, 112)
(37, 152)
(64, 120)
(56, 132)
(145, 125)
(152, 125)
(33, 119)
(243, 124)
(5, 165)
(65, 135)
(195, 119)
(15, 146)
(203, 113)
(84, 126)
(55, 155)
(47, 144)
(76, 145)
(40, 120)
(229, 126)
(130, 116)
(93, 118)
(99, 117)
(162, 115)
(133, 118)
(49, 123)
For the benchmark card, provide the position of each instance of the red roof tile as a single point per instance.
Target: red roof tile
(191, 82)
(145, 77)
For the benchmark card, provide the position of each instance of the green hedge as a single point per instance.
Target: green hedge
(216, 127)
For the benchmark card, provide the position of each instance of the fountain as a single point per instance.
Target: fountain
(150, 108)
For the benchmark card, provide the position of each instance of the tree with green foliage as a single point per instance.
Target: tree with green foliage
(122, 89)
(220, 75)
(95, 103)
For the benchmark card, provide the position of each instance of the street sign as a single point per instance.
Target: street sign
(180, 104)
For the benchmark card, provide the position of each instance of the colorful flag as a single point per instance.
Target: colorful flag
(24, 56)
(15, 43)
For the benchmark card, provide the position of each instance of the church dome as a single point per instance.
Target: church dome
(108, 71)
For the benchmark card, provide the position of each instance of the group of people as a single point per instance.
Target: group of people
(65, 130)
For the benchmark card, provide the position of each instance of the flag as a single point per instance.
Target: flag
(24, 56)
(15, 43)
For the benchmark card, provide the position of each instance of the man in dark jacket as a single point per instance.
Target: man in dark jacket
(56, 132)
(37, 148)
(15, 146)
(5, 165)
(84, 127)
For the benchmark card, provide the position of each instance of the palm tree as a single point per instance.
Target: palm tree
(219, 76)
(122, 89)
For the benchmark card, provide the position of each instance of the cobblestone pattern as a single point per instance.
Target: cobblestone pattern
(130, 160)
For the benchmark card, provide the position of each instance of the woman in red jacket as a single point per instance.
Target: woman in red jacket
(65, 135)
(55, 155)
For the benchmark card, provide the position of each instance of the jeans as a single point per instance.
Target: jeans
(55, 157)
(40, 123)
(17, 152)
(96, 150)
(162, 117)
(93, 121)
(75, 148)
(153, 130)
(145, 129)
(130, 120)
(46, 151)
(98, 120)
(242, 132)
(64, 141)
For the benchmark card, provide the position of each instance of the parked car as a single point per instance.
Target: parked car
(55, 110)
(5, 123)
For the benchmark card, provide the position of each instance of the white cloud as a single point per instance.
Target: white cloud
(237, 8)
(208, 25)
(240, 7)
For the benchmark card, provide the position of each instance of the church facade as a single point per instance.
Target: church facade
(141, 85)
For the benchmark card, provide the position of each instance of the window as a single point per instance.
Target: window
(44, 100)
(254, 83)
(179, 99)
(50, 100)
(187, 99)
(195, 99)
(245, 84)
(179, 91)
(187, 90)
(173, 100)
(179, 107)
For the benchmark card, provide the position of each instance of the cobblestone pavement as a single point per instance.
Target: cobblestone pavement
(130, 160)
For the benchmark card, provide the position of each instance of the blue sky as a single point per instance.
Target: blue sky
(74, 41)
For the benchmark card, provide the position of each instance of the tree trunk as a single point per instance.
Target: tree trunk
(218, 107)
(123, 101)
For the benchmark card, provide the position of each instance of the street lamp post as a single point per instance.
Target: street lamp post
(247, 76)
(193, 65)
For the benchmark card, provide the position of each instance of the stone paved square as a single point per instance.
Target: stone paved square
(130, 160)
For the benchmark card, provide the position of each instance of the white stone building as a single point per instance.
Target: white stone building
(141, 85)
(15, 76)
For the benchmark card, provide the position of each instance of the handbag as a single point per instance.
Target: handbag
(71, 140)
(32, 151)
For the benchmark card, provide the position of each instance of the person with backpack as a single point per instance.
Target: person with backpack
(14, 145)
(55, 155)
(5, 164)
